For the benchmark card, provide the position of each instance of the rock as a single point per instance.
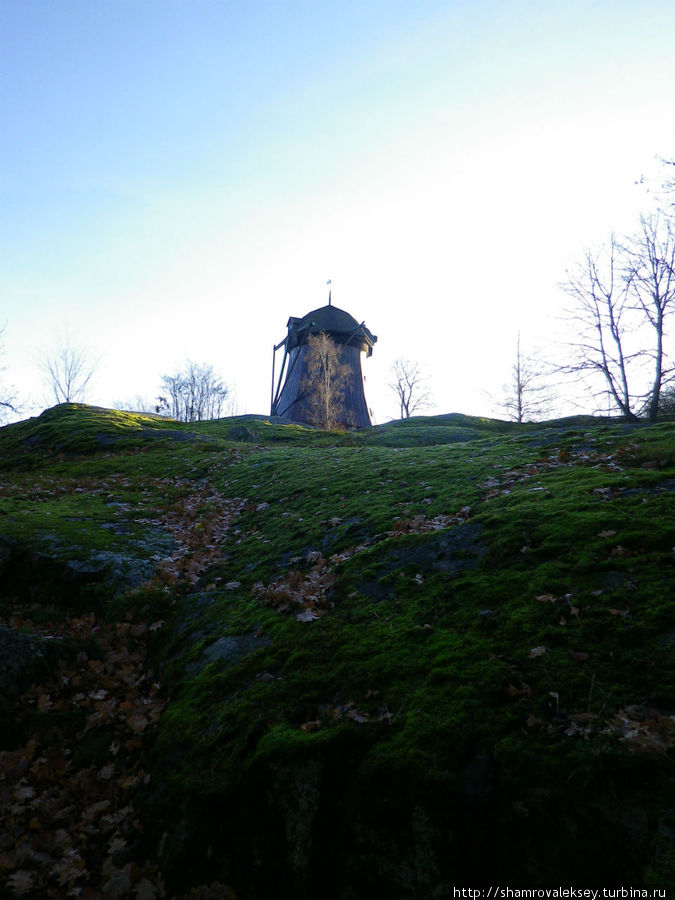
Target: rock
(240, 433)
(24, 658)
(229, 650)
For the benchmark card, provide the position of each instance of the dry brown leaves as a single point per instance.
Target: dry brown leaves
(338, 711)
(198, 522)
(420, 523)
(198, 518)
(643, 730)
(68, 825)
(499, 485)
(305, 593)
(69, 828)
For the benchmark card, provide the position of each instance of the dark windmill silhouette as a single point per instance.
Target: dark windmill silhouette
(290, 399)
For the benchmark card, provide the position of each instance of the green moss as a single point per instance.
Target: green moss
(468, 671)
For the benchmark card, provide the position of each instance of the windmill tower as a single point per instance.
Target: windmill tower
(291, 399)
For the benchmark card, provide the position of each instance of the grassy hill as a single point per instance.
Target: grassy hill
(280, 662)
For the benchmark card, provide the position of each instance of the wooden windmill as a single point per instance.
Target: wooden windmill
(292, 396)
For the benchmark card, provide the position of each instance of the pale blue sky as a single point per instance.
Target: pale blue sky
(177, 178)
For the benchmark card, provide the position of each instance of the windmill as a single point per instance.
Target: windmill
(290, 398)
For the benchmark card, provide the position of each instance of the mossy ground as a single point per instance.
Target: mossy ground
(396, 660)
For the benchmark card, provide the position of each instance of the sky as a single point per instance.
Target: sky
(178, 178)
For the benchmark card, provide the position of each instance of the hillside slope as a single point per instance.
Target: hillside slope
(431, 654)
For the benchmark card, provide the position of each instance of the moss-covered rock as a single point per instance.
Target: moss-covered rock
(423, 655)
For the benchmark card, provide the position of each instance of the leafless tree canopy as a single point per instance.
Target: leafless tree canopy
(601, 314)
(193, 393)
(650, 277)
(527, 396)
(8, 396)
(666, 187)
(137, 404)
(661, 186)
(667, 401)
(623, 298)
(68, 371)
(325, 380)
(410, 386)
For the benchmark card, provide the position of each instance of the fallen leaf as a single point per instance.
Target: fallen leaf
(69, 869)
(23, 792)
(146, 890)
(137, 723)
(118, 885)
(619, 552)
(532, 721)
(62, 839)
(538, 651)
(117, 845)
(94, 811)
(578, 656)
(308, 615)
(356, 716)
(517, 692)
(21, 882)
(644, 731)
(309, 727)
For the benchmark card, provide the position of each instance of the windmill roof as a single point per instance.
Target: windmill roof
(330, 319)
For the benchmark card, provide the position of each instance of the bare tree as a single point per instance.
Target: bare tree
(527, 396)
(8, 396)
(410, 386)
(601, 314)
(667, 187)
(193, 393)
(664, 190)
(325, 381)
(138, 404)
(68, 371)
(650, 277)
(667, 401)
